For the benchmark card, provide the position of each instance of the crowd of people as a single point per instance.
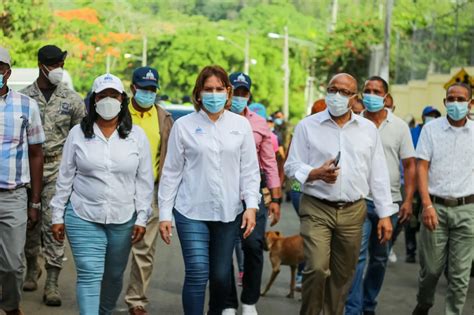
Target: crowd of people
(114, 175)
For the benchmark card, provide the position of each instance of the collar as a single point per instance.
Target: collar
(446, 125)
(98, 133)
(204, 115)
(325, 116)
(135, 112)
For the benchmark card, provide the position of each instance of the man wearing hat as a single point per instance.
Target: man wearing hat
(60, 109)
(252, 246)
(21, 138)
(157, 123)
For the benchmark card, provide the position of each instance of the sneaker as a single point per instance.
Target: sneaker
(392, 257)
(229, 311)
(249, 309)
(299, 283)
(239, 280)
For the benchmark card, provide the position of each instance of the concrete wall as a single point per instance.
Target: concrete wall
(411, 98)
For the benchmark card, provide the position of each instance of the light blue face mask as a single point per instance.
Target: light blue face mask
(457, 110)
(213, 102)
(337, 104)
(145, 99)
(278, 121)
(1, 81)
(373, 103)
(238, 104)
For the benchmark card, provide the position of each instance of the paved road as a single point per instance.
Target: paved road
(397, 297)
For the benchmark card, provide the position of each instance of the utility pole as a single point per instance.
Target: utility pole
(384, 70)
(286, 76)
(144, 51)
(334, 9)
(247, 55)
(107, 63)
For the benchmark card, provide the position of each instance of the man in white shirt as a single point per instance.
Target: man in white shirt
(445, 168)
(338, 158)
(398, 148)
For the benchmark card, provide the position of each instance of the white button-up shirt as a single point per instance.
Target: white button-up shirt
(363, 167)
(450, 151)
(107, 180)
(209, 168)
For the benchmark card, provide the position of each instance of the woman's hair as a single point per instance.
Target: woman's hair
(205, 74)
(124, 118)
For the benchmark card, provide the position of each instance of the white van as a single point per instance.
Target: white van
(22, 77)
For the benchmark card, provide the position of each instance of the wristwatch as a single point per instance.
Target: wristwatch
(277, 200)
(35, 205)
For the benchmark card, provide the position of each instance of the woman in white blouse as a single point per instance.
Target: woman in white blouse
(211, 166)
(106, 174)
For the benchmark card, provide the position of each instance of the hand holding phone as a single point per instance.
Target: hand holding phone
(337, 159)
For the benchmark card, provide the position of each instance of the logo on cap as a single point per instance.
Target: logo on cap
(149, 76)
(108, 77)
(241, 78)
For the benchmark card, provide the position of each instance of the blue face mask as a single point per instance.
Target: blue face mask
(278, 121)
(1, 81)
(337, 104)
(238, 104)
(144, 98)
(373, 103)
(457, 110)
(213, 102)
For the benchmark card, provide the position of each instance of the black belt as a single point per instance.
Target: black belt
(17, 187)
(339, 205)
(452, 202)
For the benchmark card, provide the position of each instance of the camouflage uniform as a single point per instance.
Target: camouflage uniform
(64, 110)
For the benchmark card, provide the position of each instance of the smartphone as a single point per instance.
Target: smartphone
(338, 157)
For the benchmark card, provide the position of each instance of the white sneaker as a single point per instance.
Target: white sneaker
(229, 311)
(249, 309)
(392, 257)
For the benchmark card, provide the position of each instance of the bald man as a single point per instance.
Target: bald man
(338, 159)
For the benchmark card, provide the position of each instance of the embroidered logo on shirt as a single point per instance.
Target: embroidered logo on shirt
(235, 132)
(64, 108)
(199, 131)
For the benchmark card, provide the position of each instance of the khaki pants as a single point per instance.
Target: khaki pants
(450, 243)
(143, 254)
(332, 241)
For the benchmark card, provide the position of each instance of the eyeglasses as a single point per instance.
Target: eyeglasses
(343, 92)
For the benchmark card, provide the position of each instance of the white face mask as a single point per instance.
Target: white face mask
(337, 104)
(55, 76)
(108, 108)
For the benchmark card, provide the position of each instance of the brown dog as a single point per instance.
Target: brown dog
(286, 251)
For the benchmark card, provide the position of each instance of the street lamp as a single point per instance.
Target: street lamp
(286, 65)
(245, 49)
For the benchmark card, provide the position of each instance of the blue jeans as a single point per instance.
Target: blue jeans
(101, 254)
(364, 291)
(207, 248)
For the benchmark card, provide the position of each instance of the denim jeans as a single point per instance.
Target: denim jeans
(101, 254)
(364, 291)
(207, 248)
(253, 263)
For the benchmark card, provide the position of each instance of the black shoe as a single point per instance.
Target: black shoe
(410, 259)
(421, 310)
(369, 313)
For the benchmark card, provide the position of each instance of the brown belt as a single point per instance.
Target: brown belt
(339, 205)
(452, 202)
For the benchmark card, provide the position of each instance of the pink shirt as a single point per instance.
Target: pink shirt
(265, 151)
(274, 141)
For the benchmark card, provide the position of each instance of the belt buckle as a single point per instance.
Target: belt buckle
(451, 202)
(340, 205)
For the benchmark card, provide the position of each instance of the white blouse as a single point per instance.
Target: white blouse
(210, 168)
(106, 180)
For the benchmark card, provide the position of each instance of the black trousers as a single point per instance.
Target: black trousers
(253, 263)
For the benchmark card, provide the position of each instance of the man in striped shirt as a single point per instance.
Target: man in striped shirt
(21, 160)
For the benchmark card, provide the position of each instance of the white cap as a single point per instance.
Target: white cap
(5, 56)
(107, 81)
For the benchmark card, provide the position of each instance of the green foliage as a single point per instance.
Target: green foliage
(182, 38)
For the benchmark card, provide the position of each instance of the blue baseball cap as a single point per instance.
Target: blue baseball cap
(430, 109)
(259, 109)
(240, 79)
(146, 76)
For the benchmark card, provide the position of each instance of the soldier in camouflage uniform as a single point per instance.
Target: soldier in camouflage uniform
(61, 108)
